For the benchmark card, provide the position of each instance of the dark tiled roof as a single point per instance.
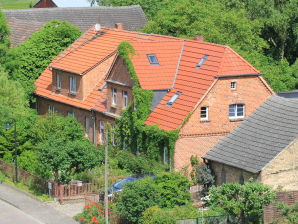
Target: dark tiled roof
(132, 17)
(21, 30)
(291, 94)
(261, 137)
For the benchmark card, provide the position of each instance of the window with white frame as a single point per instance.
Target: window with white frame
(59, 83)
(73, 84)
(204, 113)
(233, 85)
(101, 132)
(165, 155)
(88, 126)
(51, 109)
(114, 96)
(70, 114)
(124, 99)
(236, 111)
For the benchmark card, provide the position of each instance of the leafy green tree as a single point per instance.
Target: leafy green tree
(28, 60)
(244, 202)
(135, 198)
(4, 36)
(173, 189)
(63, 150)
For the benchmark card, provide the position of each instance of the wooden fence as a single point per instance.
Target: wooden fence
(272, 213)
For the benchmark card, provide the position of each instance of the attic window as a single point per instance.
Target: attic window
(152, 59)
(202, 61)
(174, 98)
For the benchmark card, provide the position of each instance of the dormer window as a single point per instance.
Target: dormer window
(59, 83)
(204, 58)
(152, 59)
(173, 98)
(72, 85)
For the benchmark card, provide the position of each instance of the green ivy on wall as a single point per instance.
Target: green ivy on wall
(131, 132)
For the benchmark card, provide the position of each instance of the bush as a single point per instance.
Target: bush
(135, 198)
(157, 215)
(173, 189)
(93, 213)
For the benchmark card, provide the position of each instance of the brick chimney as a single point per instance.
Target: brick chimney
(119, 26)
(199, 37)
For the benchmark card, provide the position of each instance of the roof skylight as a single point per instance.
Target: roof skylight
(202, 61)
(152, 59)
(173, 98)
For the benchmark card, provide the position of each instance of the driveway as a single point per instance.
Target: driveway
(16, 205)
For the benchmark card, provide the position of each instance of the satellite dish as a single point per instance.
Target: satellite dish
(97, 27)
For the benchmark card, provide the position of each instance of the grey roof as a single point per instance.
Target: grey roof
(157, 97)
(261, 137)
(132, 17)
(291, 94)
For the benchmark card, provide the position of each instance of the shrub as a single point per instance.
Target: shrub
(173, 189)
(205, 178)
(94, 213)
(135, 198)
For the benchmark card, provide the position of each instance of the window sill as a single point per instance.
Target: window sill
(72, 93)
(204, 121)
(114, 105)
(236, 119)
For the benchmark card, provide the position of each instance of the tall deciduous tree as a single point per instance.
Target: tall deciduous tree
(27, 61)
(4, 36)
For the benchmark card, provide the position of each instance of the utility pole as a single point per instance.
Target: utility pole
(106, 199)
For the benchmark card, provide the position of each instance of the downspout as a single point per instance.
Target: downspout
(94, 126)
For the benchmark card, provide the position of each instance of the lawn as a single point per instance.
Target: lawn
(16, 4)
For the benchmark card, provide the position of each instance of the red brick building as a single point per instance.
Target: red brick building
(63, 3)
(209, 84)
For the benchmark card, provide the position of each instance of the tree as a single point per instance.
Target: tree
(290, 213)
(4, 36)
(63, 150)
(244, 202)
(27, 61)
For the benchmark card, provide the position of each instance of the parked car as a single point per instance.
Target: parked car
(118, 187)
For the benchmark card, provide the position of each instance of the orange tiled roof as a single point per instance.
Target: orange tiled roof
(177, 71)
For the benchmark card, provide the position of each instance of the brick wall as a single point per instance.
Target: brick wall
(250, 90)
(283, 170)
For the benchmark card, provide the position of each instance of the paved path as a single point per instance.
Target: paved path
(16, 202)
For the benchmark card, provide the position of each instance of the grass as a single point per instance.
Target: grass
(16, 4)
(21, 186)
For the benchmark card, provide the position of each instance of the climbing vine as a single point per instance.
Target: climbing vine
(131, 132)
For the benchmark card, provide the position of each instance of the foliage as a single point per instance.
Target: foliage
(173, 188)
(289, 212)
(205, 177)
(63, 149)
(16, 4)
(93, 213)
(244, 202)
(4, 36)
(135, 198)
(157, 215)
(131, 132)
(28, 60)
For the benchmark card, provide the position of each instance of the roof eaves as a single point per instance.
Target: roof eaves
(51, 67)
(240, 75)
(178, 65)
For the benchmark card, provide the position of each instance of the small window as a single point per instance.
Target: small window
(114, 97)
(73, 84)
(124, 99)
(204, 113)
(233, 85)
(165, 155)
(236, 111)
(51, 109)
(101, 132)
(241, 179)
(70, 114)
(152, 59)
(223, 176)
(87, 127)
(174, 98)
(199, 65)
(59, 84)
